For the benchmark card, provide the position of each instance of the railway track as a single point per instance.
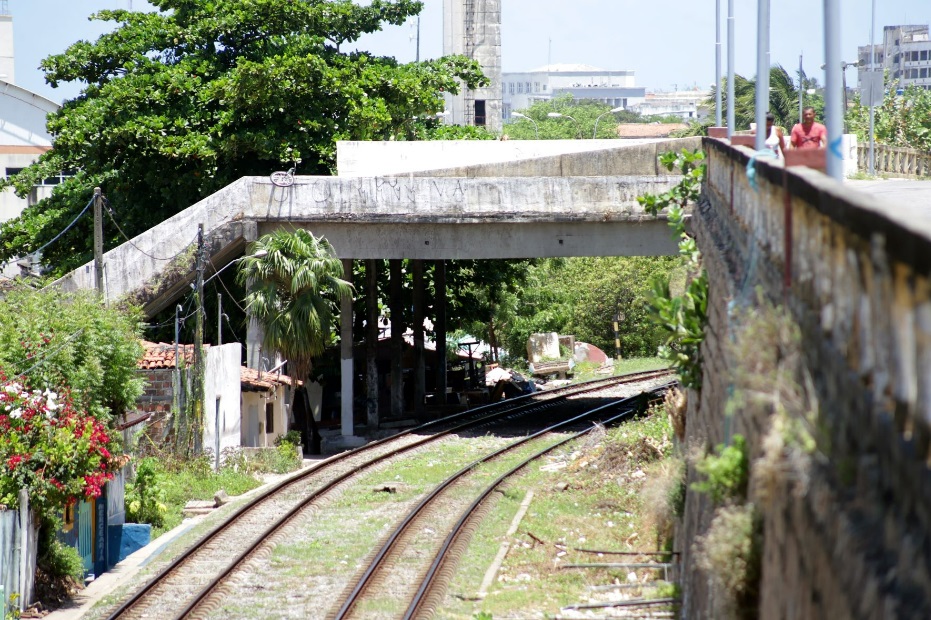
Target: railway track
(184, 587)
(375, 581)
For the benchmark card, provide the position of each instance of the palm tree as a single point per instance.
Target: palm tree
(783, 99)
(294, 281)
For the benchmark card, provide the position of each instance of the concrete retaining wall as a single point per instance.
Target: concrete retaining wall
(856, 540)
(512, 158)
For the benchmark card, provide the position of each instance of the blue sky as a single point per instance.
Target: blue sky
(670, 44)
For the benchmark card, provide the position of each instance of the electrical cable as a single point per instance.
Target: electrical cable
(129, 241)
(223, 284)
(51, 353)
(67, 228)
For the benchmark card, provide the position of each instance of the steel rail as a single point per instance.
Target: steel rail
(487, 413)
(401, 528)
(428, 580)
(256, 502)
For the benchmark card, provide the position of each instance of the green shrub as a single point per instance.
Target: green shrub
(145, 498)
(60, 560)
(292, 438)
(726, 473)
(730, 553)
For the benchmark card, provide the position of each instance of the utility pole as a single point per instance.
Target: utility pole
(219, 319)
(178, 401)
(198, 388)
(98, 239)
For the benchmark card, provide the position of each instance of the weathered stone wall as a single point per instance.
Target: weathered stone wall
(856, 540)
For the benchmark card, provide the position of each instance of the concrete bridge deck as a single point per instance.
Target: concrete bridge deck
(907, 200)
(575, 203)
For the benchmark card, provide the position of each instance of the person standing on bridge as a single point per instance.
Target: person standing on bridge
(775, 138)
(808, 134)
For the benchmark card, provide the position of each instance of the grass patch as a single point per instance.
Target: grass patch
(585, 371)
(588, 495)
(181, 481)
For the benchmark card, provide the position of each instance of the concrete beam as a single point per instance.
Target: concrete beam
(390, 217)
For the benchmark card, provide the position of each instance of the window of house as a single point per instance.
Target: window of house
(895, 59)
(914, 56)
(11, 171)
(528, 87)
(67, 518)
(914, 75)
(923, 73)
(479, 112)
(270, 417)
(536, 87)
(924, 55)
(520, 87)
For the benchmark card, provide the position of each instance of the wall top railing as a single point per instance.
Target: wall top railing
(895, 161)
(860, 213)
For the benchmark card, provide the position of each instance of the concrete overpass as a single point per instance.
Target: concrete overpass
(426, 200)
(583, 204)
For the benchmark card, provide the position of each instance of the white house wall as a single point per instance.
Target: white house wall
(255, 433)
(222, 397)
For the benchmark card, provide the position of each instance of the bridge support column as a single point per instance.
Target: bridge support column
(254, 337)
(419, 378)
(346, 362)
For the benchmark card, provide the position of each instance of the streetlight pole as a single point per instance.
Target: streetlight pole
(762, 72)
(717, 64)
(612, 111)
(536, 130)
(578, 125)
(731, 68)
(833, 112)
(872, 164)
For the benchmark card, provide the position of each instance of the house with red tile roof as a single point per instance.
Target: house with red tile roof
(242, 407)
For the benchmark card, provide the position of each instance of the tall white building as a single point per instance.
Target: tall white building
(23, 137)
(472, 28)
(905, 51)
(613, 87)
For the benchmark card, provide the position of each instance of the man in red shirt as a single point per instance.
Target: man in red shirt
(808, 134)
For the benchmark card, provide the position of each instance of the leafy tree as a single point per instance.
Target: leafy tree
(179, 104)
(293, 289)
(580, 296)
(902, 120)
(55, 340)
(584, 111)
(783, 101)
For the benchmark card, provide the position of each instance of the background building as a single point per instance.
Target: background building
(686, 104)
(905, 52)
(472, 28)
(612, 87)
(23, 137)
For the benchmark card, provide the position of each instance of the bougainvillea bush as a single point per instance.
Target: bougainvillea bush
(59, 454)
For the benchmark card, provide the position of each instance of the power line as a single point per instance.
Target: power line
(223, 284)
(67, 228)
(51, 353)
(129, 241)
